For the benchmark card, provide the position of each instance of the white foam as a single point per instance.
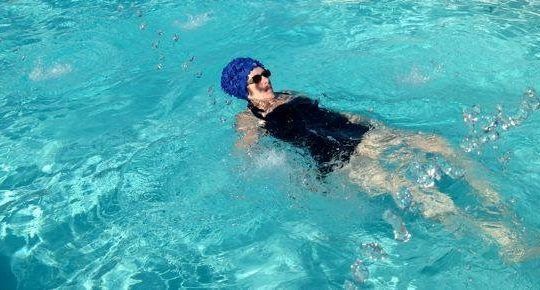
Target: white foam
(5, 167)
(47, 168)
(415, 77)
(120, 276)
(29, 221)
(195, 21)
(40, 73)
(3, 230)
(7, 196)
(271, 159)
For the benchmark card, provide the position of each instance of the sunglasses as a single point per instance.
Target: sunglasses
(258, 78)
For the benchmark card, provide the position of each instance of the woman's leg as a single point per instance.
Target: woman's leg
(365, 170)
(435, 144)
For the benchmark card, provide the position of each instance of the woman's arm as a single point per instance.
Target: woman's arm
(249, 128)
(357, 119)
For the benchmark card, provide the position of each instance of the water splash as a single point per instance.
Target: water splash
(270, 159)
(403, 199)
(41, 73)
(374, 251)
(416, 76)
(427, 172)
(488, 128)
(195, 21)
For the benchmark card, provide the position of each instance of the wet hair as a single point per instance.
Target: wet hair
(234, 76)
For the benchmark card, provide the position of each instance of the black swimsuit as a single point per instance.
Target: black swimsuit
(329, 136)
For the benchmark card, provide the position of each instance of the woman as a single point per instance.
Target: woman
(358, 147)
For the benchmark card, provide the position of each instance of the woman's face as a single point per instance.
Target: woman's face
(262, 87)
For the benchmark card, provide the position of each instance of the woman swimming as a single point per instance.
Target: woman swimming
(360, 148)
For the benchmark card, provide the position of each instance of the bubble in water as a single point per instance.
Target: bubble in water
(451, 171)
(40, 73)
(470, 116)
(195, 21)
(348, 285)
(530, 100)
(416, 76)
(359, 271)
(400, 231)
(47, 168)
(374, 251)
(504, 159)
(271, 159)
(142, 26)
(5, 167)
(426, 173)
(484, 129)
(187, 64)
(403, 198)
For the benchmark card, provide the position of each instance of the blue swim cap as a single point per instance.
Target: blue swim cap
(234, 76)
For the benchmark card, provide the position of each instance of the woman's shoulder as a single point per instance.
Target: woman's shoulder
(245, 120)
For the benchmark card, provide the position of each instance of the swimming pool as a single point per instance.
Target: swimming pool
(118, 167)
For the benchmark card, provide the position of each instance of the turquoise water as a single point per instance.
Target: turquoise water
(118, 168)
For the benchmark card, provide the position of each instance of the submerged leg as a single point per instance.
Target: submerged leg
(366, 171)
(436, 144)
(375, 180)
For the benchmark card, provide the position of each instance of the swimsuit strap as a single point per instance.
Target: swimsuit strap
(257, 112)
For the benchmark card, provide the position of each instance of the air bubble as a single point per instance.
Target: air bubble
(374, 251)
(359, 271)
(493, 125)
(348, 285)
(404, 199)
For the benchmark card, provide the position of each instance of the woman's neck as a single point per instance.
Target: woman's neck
(267, 104)
(262, 101)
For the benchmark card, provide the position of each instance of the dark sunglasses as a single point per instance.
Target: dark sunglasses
(258, 78)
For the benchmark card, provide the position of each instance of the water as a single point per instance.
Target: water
(117, 164)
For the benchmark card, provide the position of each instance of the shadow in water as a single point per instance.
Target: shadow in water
(9, 281)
